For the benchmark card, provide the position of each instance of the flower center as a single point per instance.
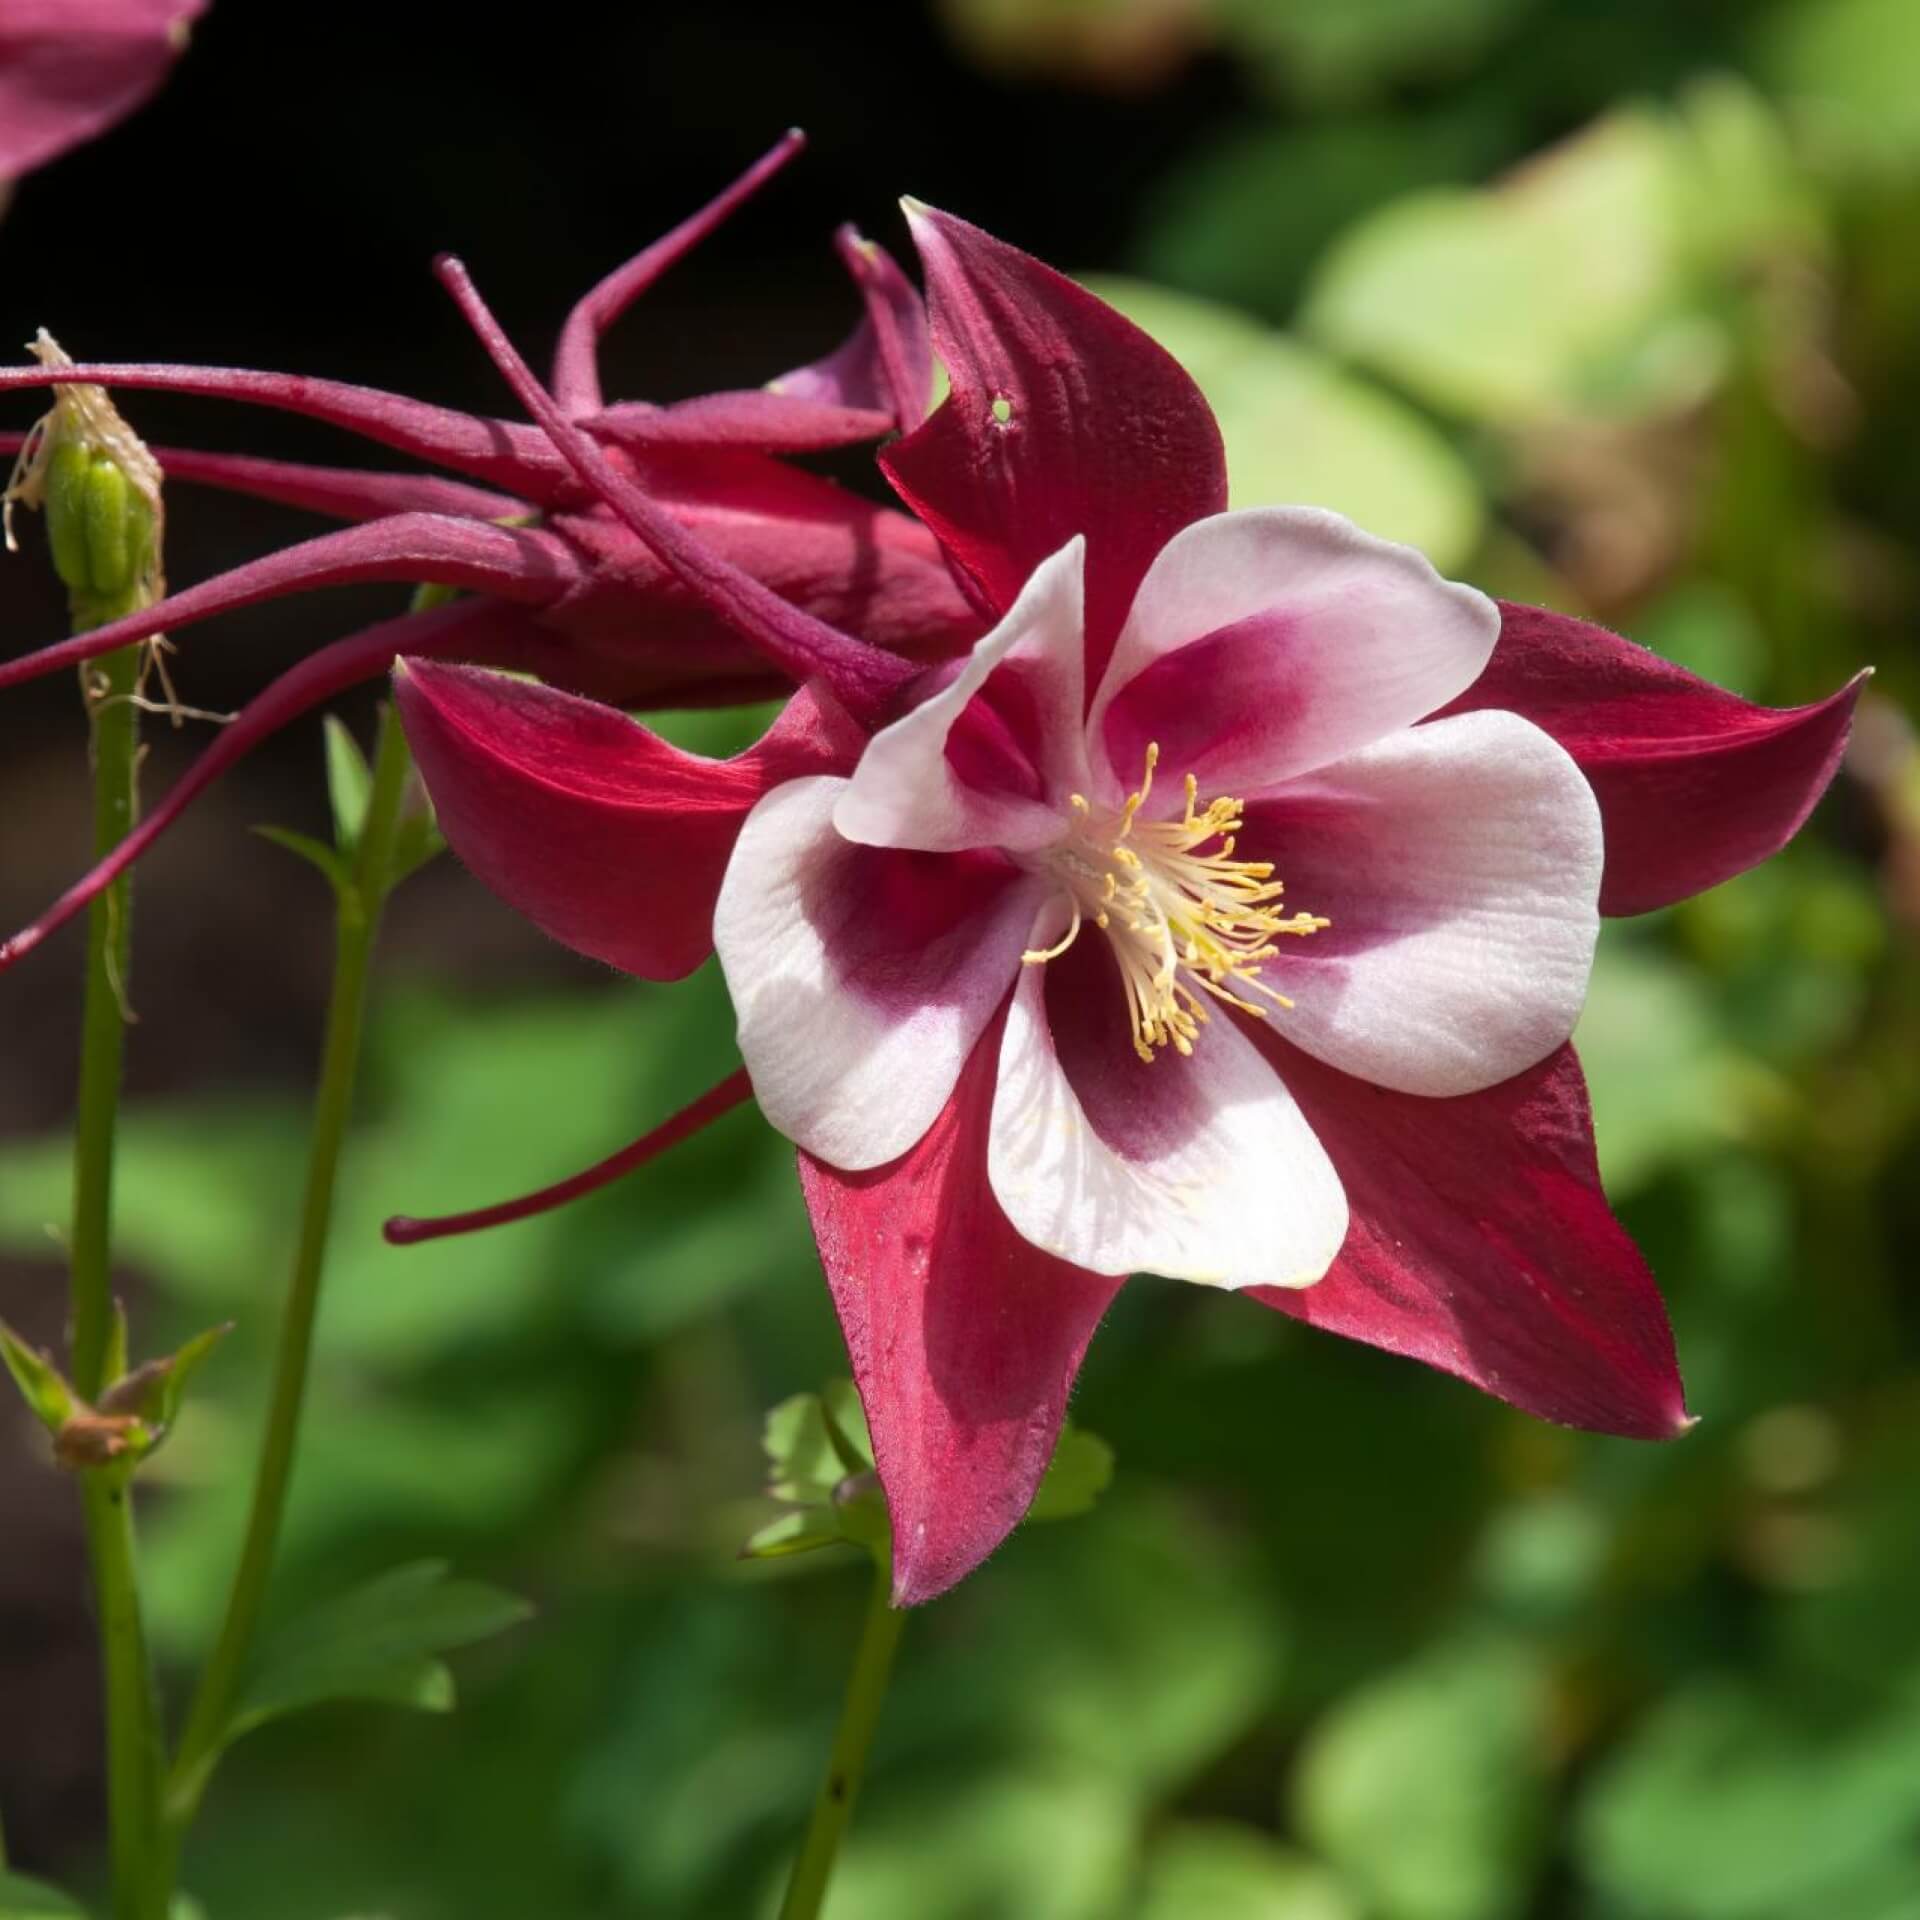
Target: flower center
(1185, 921)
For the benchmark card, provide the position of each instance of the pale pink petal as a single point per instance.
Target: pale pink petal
(1265, 643)
(990, 759)
(1198, 1168)
(1460, 865)
(861, 975)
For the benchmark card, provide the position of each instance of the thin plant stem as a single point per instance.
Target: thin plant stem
(357, 925)
(134, 1757)
(840, 1786)
(115, 729)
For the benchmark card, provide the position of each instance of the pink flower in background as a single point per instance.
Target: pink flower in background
(1040, 1012)
(70, 68)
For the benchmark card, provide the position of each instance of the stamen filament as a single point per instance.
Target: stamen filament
(1187, 926)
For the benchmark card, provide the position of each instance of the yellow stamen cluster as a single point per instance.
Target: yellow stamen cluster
(1184, 923)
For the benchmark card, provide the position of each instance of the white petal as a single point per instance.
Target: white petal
(1026, 682)
(862, 976)
(1200, 1169)
(1265, 643)
(1460, 865)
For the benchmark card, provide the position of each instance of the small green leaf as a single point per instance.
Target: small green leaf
(418, 841)
(804, 1466)
(1427, 1789)
(173, 1386)
(314, 852)
(1080, 1471)
(24, 1899)
(847, 1426)
(1225, 1871)
(798, 1532)
(48, 1396)
(379, 1642)
(349, 784)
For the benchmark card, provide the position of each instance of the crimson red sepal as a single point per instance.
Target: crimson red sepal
(965, 1339)
(596, 829)
(1482, 1244)
(1103, 434)
(1694, 783)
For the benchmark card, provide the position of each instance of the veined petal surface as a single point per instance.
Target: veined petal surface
(1199, 1168)
(1264, 643)
(1459, 863)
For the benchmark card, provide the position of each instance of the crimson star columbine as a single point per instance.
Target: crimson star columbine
(1225, 914)
(1243, 824)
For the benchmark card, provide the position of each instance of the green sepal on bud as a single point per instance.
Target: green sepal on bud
(131, 1417)
(99, 487)
(820, 1466)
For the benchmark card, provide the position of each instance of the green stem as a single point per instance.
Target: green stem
(116, 746)
(840, 1787)
(360, 905)
(134, 1755)
(133, 1735)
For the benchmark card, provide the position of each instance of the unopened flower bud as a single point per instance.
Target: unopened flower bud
(100, 489)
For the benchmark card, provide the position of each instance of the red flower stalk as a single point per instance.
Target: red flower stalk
(558, 583)
(1398, 1147)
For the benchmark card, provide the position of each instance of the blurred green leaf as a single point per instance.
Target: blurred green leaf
(1427, 1787)
(1358, 49)
(24, 1899)
(1041, 1845)
(846, 1425)
(1215, 1870)
(793, 1533)
(49, 1399)
(1590, 282)
(1299, 431)
(1080, 1471)
(1726, 1805)
(1850, 69)
(801, 1456)
(181, 1369)
(349, 784)
(1663, 1086)
(379, 1642)
(314, 852)
(1504, 305)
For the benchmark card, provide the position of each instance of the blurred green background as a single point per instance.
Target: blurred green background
(1616, 308)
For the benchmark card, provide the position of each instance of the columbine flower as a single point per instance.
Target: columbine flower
(557, 584)
(1039, 1011)
(70, 68)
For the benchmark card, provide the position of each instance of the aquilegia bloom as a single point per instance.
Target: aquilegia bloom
(1225, 914)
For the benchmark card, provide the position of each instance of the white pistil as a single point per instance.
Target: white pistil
(1183, 922)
